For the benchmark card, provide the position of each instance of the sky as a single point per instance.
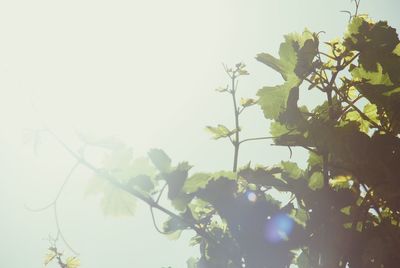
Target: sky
(142, 71)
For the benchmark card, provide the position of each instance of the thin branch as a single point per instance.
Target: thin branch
(67, 178)
(55, 212)
(161, 192)
(60, 233)
(155, 223)
(363, 116)
(327, 55)
(138, 194)
(236, 142)
(256, 139)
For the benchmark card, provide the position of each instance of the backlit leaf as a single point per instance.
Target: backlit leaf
(316, 181)
(51, 254)
(160, 159)
(221, 131)
(72, 262)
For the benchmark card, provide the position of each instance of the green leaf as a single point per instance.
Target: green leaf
(303, 261)
(195, 182)
(346, 210)
(391, 92)
(51, 254)
(221, 131)
(370, 110)
(340, 182)
(192, 262)
(160, 160)
(314, 159)
(143, 182)
(262, 177)
(377, 77)
(301, 216)
(273, 100)
(295, 62)
(277, 129)
(117, 203)
(292, 169)
(247, 102)
(174, 227)
(181, 201)
(222, 89)
(72, 262)
(396, 51)
(200, 180)
(316, 181)
(176, 179)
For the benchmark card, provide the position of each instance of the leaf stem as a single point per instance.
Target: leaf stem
(147, 199)
(256, 139)
(236, 143)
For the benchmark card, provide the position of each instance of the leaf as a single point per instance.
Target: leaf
(222, 89)
(221, 131)
(277, 129)
(72, 262)
(174, 227)
(263, 177)
(296, 55)
(117, 203)
(377, 77)
(174, 224)
(314, 159)
(176, 179)
(192, 262)
(247, 102)
(301, 216)
(181, 201)
(292, 169)
(160, 160)
(273, 100)
(200, 180)
(51, 254)
(340, 182)
(391, 92)
(396, 51)
(316, 181)
(303, 261)
(370, 110)
(143, 182)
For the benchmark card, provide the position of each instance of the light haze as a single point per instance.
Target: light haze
(143, 71)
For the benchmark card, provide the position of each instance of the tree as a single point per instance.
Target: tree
(343, 209)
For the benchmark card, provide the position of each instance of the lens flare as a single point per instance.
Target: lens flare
(251, 196)
(278, 228)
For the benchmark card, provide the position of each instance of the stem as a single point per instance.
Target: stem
(256, 139)
(236, 142)
(147, 199)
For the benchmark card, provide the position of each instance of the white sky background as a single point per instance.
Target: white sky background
(144, 71)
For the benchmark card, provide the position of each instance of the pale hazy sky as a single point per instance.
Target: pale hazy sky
(144, 71)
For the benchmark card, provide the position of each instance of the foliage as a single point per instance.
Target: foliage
(344, 208)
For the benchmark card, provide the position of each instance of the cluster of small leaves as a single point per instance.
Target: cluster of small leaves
(53, 255)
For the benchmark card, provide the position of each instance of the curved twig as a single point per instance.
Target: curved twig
(55, 212)
(155, 223)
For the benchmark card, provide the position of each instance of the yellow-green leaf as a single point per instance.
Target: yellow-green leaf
(221, 131)
(51, 254)
(316, 181)
(247, 102)
(72, 262)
